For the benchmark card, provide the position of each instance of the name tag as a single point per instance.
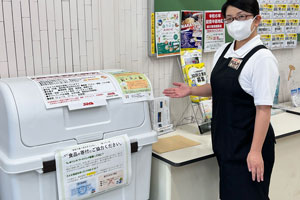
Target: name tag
(235, 63)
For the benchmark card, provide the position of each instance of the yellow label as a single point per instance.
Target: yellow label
(195, 76)
(182, 58)
(267, 22)
(195, 99)
(188, 68)
(277, 37)
(265, 37)
(91, 173)
(152, 34)
(293, 7)
(279, 22)
(281, 7)
(292, 36)
(267, 7)
(292, 22)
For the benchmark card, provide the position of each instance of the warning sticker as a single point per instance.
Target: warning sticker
(83, 89)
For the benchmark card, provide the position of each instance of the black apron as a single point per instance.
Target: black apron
(232, 132)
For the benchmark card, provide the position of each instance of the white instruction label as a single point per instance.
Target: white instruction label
(83, 88)
(90, 169)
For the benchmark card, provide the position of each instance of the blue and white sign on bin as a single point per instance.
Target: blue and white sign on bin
(55, 131)
(88, 169)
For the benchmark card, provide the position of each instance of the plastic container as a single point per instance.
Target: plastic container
(30, 134)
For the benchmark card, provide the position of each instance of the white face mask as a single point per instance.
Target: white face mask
(240, 30)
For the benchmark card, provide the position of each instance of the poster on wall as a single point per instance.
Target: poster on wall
(214, 31)
(167, 29)
(266, 10)
(279, 11)
(191, 29)
(293, 11)
(265, 26)
(278, 26)
(267, 40)
(277, 41)
(282, 18)
(292, 26)
(189, 57)
(290, 40)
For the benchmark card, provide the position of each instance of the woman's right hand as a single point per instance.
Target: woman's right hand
(181, 90)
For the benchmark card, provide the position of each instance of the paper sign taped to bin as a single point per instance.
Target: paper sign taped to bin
(90, 169)
(135, 86)
(83, 89)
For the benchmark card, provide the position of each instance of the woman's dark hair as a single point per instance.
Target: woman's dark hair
(250, 6)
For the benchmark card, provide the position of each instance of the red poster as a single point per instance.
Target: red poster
(214, 20)
(214, 31)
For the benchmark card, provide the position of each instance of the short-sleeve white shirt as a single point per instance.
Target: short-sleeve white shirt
(260, 74)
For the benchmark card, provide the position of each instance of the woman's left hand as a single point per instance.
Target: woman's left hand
(256, 165)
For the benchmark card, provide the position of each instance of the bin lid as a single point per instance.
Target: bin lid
(40, 126)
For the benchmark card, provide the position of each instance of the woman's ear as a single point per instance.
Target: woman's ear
(257, 20)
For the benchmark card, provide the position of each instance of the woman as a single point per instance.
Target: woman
(243, 83)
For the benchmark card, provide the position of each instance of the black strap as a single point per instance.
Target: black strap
(50, 166)
(246, 58)
(253, 51)
(225, 50)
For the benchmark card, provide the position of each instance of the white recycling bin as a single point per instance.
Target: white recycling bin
(30, 134)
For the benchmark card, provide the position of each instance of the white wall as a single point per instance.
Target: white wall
(57, 36)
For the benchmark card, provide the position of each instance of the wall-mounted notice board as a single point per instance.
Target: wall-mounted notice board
(173, 5)
(177, 5)
(170, 5)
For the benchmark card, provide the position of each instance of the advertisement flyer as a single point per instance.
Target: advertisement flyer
(189, 57)
(92, 168)
(214, 31)
(279, 11)
(265, 26)
(191, 29)
(292, 26)
(267, 40)
(85, 89)
(277, 41)
(135, 86)
(290, 40)
(195, 75)
(292, 11)
(206, 108)
(266, 10)
(167, 29)
(278, 26)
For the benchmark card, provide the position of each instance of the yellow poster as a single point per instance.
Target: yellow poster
(152, 34)
(135, 86)
(195, 75)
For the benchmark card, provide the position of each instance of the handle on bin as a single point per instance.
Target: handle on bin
(50, 166)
